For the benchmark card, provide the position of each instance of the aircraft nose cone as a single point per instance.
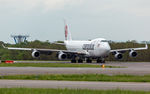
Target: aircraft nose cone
(107, 48)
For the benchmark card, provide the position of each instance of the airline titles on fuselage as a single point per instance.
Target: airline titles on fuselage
(88, 47)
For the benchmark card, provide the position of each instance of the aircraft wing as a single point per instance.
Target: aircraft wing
(129, 49)
(44, 50)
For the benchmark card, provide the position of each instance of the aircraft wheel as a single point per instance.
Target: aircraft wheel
(100, 61)
(73, 61)
(103, 61)
(80, 61)
(88, 61)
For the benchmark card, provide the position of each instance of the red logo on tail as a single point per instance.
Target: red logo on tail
(66, 31)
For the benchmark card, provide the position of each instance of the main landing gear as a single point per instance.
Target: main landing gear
(80, 60)
(73, 61)
(77, 59)
(88, 60)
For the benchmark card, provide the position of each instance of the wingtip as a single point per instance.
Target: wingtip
(3, 46)
(146, 46)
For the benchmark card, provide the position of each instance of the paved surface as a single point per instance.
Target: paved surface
(42, 61)
(142, 68)
(74, 85)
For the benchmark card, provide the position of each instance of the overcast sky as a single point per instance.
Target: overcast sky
(119, 20)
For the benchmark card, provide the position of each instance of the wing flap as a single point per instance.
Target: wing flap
(44, 50)
(129, 49)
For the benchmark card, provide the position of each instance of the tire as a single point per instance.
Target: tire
(103, 61)
(80, 61)
(89, 61)
(73, 61)
(100, 61)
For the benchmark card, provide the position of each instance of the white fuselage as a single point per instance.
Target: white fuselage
(95, 48)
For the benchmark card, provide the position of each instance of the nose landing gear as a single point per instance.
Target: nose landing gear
(100, 60)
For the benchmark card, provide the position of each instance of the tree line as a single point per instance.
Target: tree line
(6, 54)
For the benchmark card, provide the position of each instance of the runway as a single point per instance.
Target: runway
(74, 85)
(142, 68)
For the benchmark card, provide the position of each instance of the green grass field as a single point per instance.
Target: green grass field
(53, 65)
(65, 91)
(81, 77)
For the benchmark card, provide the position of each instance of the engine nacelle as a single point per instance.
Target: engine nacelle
(133, 54)
(118, 56)
(62, 56)
(35, 54)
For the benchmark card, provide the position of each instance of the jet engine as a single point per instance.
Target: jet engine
(133, 54)
(62, 56)
(35, 54)
(118, 56)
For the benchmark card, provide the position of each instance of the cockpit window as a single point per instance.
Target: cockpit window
(104, 41)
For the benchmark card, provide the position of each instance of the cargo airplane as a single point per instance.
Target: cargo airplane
(78, 51)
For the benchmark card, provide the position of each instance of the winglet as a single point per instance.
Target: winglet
(3, 46)
(58, 43)
(146, 46)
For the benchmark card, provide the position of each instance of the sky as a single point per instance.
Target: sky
(116, 20)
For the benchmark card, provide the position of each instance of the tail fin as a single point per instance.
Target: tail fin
(67, 33)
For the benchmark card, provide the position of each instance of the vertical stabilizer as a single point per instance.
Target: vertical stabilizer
(67, 33)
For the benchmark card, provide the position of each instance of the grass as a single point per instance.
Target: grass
(53, 65)
(81, 77)
(66, 91)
